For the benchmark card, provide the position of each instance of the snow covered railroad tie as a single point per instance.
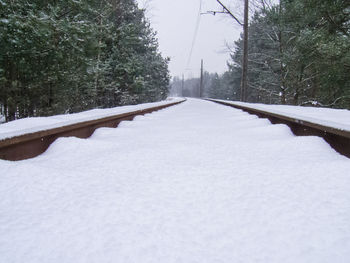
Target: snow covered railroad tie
(29, 143)
(338, 136)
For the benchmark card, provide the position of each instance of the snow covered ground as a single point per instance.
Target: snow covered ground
(197, 182)
(336, 118)
(29, 125)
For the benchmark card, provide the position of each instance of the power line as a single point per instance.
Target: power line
(195, 33)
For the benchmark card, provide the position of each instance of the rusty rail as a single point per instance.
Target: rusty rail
(32, 144)
(338, 139)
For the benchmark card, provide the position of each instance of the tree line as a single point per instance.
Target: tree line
(214, 86)
(73, 55)
(299, 54)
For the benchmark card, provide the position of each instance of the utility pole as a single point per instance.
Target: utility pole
(201, 81)
(244, 82)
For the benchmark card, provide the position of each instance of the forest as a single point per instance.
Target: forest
(61, 57)
(68, 56)
(299, 54)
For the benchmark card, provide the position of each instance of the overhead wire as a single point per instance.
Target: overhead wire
(195, 34)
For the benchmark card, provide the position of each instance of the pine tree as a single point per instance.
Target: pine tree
(69, 56)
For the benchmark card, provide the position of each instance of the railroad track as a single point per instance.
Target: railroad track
(33, 144)
(338, 139)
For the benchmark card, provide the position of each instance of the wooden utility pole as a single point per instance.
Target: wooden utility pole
(201, 82)
(244, 81)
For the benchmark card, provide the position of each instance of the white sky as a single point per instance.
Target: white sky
(175, 22)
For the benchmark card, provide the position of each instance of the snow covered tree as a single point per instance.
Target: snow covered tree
(299, 53)
(68, 56)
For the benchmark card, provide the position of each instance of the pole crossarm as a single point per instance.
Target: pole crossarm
(214, 12)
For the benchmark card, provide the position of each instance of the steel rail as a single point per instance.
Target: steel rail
(338, 139)
(33, 144)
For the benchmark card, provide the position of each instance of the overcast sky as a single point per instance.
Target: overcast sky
(175, 21)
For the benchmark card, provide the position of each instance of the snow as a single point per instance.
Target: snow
(197, 182)
(35, 124)
(336, 118)
(4, 20)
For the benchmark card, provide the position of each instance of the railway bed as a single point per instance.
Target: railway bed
(197, 182)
